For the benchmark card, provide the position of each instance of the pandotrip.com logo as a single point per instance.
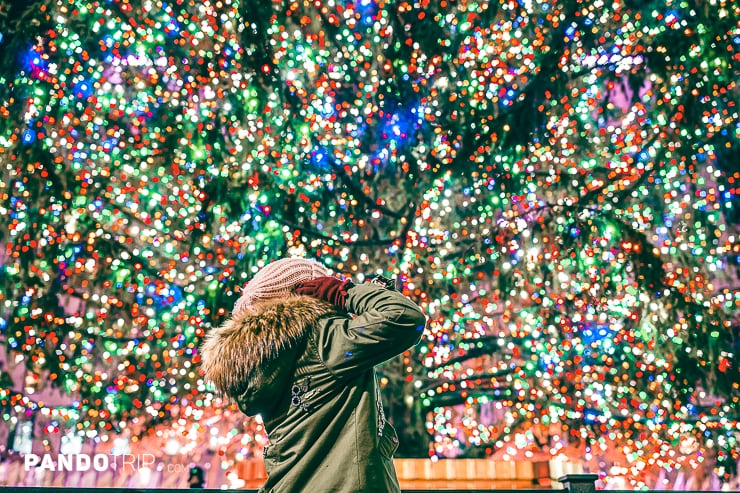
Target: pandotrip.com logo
(99, 462)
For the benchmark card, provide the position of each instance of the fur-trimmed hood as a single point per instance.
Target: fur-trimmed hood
(252, 356)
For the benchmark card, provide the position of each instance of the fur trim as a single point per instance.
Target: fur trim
(234, 352)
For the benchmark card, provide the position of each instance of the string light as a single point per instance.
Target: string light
(553, 182)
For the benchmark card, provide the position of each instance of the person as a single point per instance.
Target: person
(300, 350)
(196, 477)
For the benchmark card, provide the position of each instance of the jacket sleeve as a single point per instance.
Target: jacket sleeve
(386, 324)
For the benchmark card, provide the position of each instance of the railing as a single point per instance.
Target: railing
(573, 483)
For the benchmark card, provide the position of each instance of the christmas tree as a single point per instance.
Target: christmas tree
(553, 182)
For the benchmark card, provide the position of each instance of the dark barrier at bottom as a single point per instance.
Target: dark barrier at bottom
(574, 483)
(571, 483)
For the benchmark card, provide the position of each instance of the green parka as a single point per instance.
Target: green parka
(308, 369)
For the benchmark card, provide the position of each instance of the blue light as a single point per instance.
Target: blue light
(31, 62)
(110, 144)
(82, 90)
(29, 136)
(173, 28)
(367, 9)
(589, 416)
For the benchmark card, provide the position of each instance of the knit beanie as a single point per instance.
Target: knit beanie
(276, 280)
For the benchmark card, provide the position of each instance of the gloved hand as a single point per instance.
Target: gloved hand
(326, 288)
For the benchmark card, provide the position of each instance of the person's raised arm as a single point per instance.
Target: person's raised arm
(386, 324)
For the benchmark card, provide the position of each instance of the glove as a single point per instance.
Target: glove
(326, 288)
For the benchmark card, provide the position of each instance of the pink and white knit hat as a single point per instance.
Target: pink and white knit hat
(276, 280)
